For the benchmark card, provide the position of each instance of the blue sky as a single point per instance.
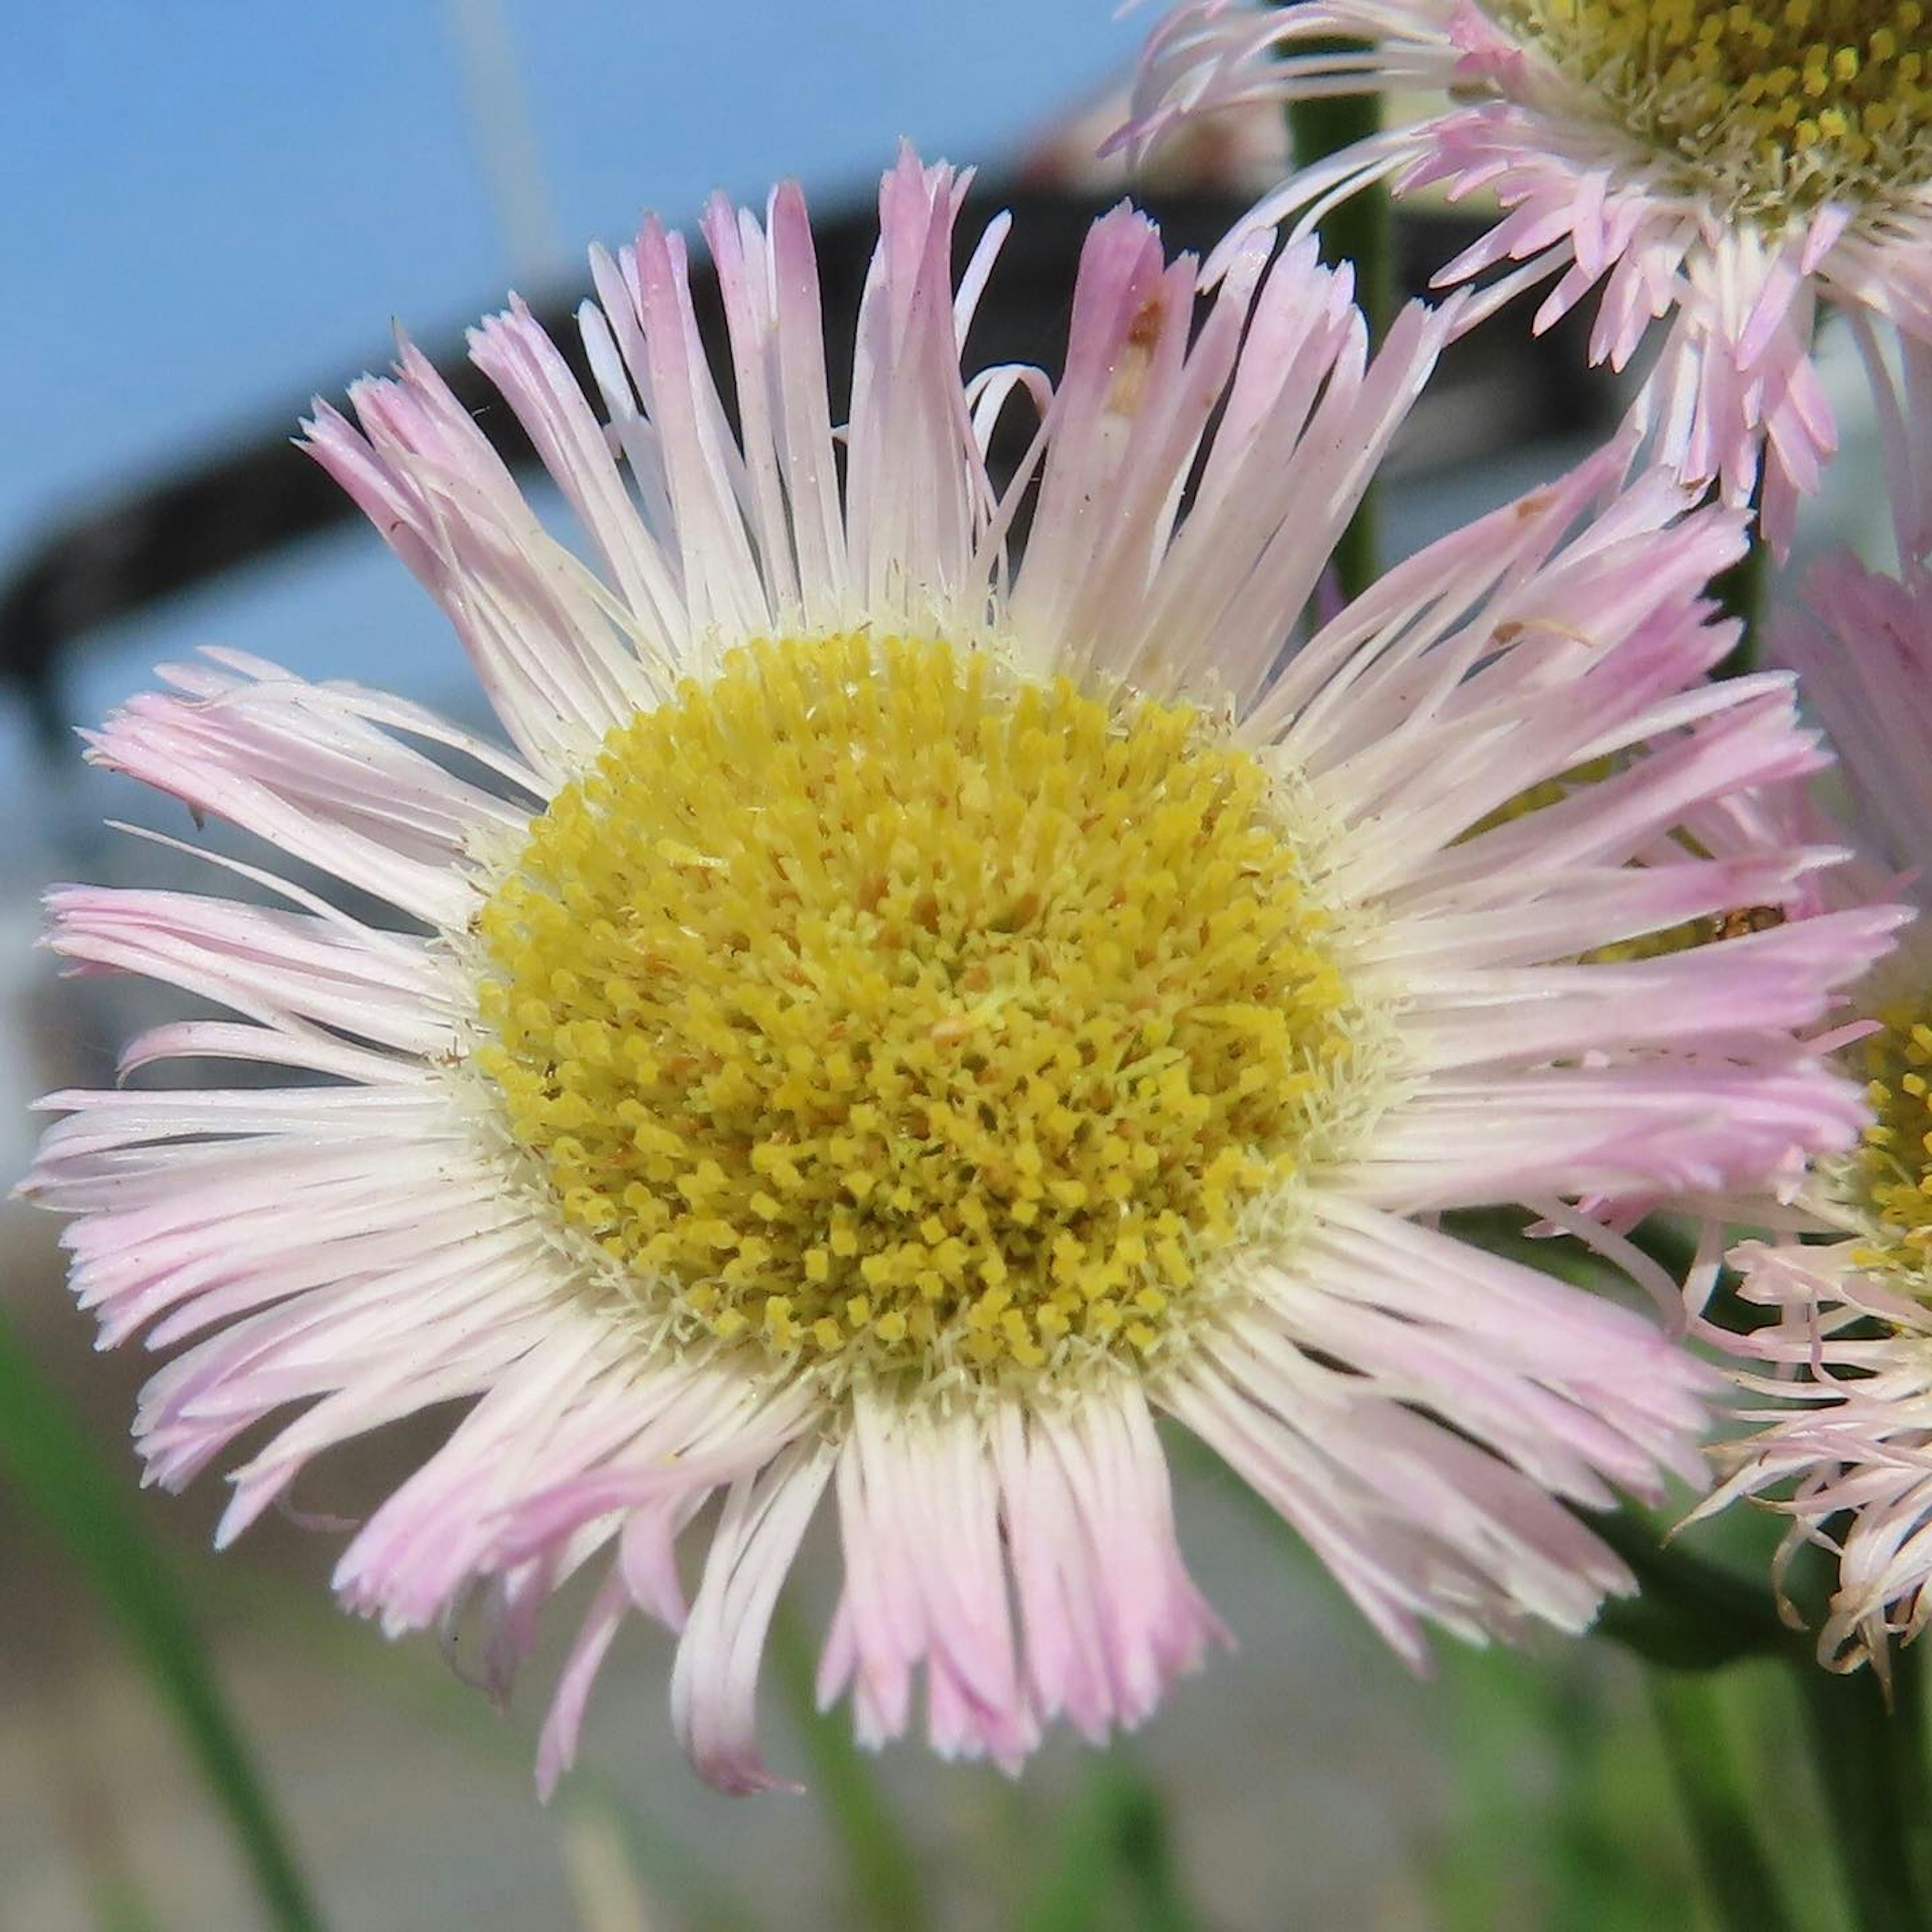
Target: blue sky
(210, 207)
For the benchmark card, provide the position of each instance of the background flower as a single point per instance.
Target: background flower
(1844, 1448)
(1727, 168)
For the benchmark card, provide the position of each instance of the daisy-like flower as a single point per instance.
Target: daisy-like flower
(895, 1023)
(1847, 1452)
(1725, 165)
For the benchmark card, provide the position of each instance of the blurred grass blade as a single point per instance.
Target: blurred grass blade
(696, 1899)
(879, 1863)
(605, 1886)
(119, 1907)
(1115, 1846)
(1868, 1752)
(1738, 1881)
(1145, 1852)
(48, 1457)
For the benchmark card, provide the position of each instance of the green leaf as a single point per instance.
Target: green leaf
(1868, 1749)
(1738, 1879)
(48, 1456)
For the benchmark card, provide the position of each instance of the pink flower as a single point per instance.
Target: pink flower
(1725, 169)
(1846, 1446)
(900, 1019)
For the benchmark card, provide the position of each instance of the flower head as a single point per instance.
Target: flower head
(1848, 1269)
(899, 1019)
(1725, 165)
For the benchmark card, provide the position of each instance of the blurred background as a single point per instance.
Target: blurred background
(212, 212)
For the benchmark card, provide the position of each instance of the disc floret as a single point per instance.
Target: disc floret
(872, 1004)
(1772, 108)
(1889, 1180)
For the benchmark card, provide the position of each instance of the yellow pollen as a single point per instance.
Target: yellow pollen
(1771, 108)
(1890, 1178)
(870, 1004)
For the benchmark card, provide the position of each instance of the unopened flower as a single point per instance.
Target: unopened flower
(898, 1022)
(1725, 165)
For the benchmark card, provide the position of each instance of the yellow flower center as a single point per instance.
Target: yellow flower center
(1772, 108)
(872, 1005)
(1890, 1178)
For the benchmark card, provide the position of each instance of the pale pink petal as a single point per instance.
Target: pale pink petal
(714, 1683)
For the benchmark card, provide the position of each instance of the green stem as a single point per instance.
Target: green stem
(1740, 591)
(1359, 231)
(1147, 1857)
(48, 1457)
(1738, 1880)
(1870, 1760)
(879, 1863)
(1117, 1831)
